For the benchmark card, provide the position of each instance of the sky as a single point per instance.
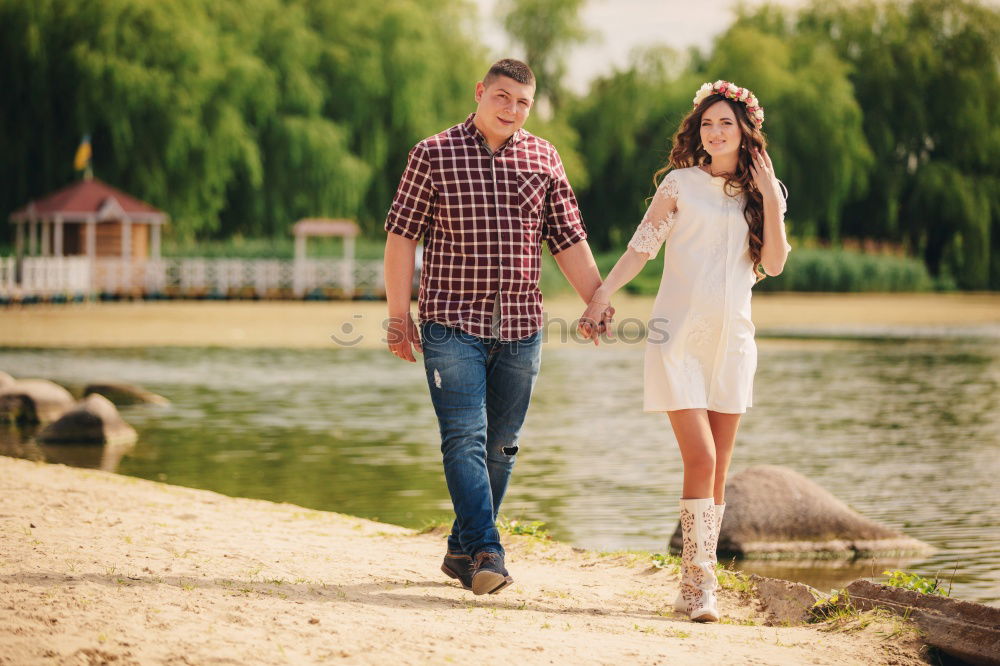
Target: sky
(622, 25)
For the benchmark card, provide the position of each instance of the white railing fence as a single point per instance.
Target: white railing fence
(270, 278)
(45, 276)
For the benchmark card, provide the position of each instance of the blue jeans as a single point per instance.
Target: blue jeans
(480, 388)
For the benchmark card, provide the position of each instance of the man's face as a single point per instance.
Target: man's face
(503, 108)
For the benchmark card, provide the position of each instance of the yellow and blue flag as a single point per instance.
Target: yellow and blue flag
(83, 154)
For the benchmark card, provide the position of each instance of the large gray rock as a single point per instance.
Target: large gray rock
(124, 394)
(34, 401)
(94, 421)
(6, 380)
(774, 511)
(963, 629)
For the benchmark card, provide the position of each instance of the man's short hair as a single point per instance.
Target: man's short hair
(515, 69)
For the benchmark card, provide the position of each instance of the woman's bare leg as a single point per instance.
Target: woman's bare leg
(724, 427)
(696, 440)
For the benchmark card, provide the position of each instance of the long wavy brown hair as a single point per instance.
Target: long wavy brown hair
(687, 151)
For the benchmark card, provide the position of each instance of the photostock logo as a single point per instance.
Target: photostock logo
(348, 335)
(628, 331)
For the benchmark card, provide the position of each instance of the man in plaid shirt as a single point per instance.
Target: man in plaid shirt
(483, 195)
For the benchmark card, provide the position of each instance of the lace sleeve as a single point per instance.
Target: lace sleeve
(783, 208)
(658, 220)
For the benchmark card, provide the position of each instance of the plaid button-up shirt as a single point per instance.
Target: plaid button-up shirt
(483, 217)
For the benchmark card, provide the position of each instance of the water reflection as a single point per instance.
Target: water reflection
(21, 443)
(905, 431)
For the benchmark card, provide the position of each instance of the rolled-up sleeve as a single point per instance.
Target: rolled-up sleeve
(563, 226)
(411, 208)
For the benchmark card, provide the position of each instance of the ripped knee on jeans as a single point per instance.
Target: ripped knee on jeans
(509, 450)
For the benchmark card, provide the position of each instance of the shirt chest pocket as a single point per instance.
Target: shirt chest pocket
(531, 190)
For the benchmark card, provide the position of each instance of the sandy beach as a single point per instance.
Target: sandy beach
(98, 568)
(359, 324)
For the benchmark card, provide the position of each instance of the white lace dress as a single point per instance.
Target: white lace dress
(700, 350)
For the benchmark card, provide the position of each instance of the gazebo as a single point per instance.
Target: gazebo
(92, 219)
(309, 272)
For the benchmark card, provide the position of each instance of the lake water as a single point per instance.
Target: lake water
(906, 431)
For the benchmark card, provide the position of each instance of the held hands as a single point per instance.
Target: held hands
(403, 337)
(762, 171)
(596, 320)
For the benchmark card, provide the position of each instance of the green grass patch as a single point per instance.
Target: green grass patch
(734, 580)
(915, 583)
(835, 608)
(835, 270)
(661, 561)
(535, 528)
(433, 525)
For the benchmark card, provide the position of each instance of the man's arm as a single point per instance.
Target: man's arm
(567, 240)
(401, 332)
(405, 223)
(578, 265)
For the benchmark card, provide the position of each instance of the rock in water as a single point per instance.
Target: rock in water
(773, 511)
(33, 401)
(94, 421)
(6, 380)
(124, 394)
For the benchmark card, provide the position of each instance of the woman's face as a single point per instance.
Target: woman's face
(720, 133)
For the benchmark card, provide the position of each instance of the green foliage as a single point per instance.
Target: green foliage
(882, 118)
(815, 269)
(545, 29)
(627, 119)
(734, 580)
(661, 561)
(925, 75)
(434, 525)
(807, 269)
(914, 582)
(836, 606)
(236, 115)
(535, 528)
(813, 120)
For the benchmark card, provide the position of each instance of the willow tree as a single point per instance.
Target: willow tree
(926, 76)
(545, 30)
(813, 121)
(627, 118)
(143, 77)
(235, 115)
(395, 76)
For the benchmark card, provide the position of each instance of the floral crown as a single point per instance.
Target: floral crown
(735, 93)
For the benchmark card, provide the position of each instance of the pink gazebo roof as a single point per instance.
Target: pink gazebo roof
(88, 199)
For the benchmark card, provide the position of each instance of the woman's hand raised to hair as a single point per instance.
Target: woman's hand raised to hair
(764, 178)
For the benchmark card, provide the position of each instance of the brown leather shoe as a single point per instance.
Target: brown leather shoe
(459, 567)
(488, 573)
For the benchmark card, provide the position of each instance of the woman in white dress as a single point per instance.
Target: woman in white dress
(719, 213)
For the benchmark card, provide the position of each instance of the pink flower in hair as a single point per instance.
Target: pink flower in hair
(736, 93)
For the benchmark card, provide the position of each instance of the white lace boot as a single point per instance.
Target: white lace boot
(698, 582)
(680, 603)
